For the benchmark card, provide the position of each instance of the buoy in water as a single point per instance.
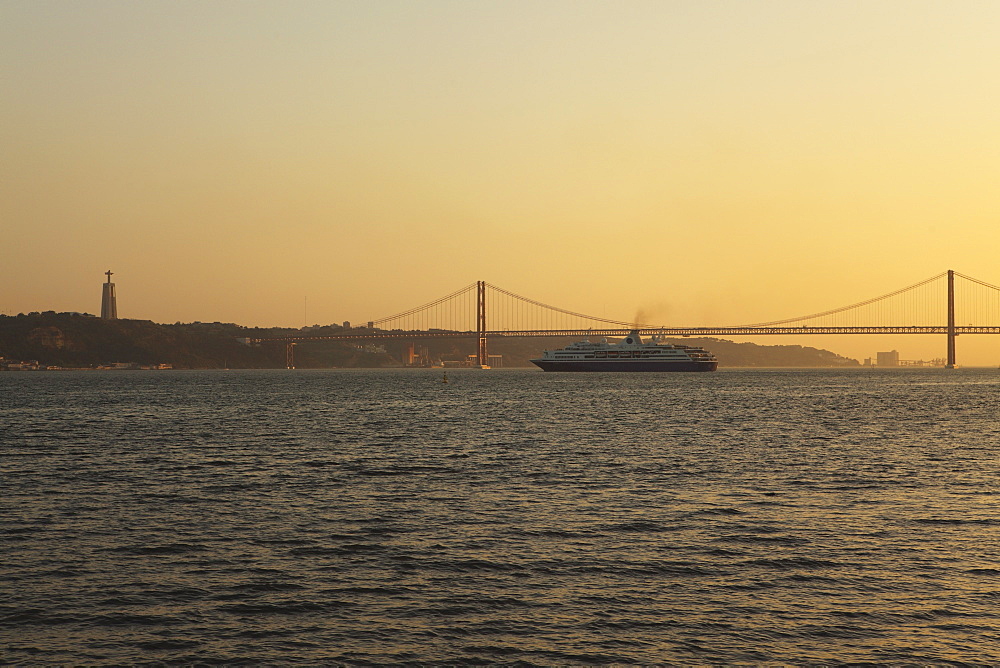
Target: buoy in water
(444, 378)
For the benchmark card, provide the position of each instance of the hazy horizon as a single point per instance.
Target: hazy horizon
(714, 163)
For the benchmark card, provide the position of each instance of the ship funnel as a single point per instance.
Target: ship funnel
(633, 338)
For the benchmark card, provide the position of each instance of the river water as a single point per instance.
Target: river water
(508, 516)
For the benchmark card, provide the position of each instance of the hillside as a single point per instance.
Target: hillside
(80, 340)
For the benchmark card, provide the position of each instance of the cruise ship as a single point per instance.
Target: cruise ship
(629, 354)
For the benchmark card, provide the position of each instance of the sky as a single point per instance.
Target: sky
(709, 163)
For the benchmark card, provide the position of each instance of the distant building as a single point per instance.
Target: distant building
(890, 358)
(109, 305)
(19, 365)
(493, 361)
(347, 324)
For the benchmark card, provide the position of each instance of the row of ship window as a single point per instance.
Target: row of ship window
(630, 354)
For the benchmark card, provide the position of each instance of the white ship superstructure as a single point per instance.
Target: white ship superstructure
(629, 354)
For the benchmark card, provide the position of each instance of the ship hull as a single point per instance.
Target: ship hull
(659, 366)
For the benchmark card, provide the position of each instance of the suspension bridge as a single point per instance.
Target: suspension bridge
(482, 311)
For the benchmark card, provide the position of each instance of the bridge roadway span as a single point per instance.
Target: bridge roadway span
(671, 332)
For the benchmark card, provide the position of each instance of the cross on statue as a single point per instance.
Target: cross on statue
(108, 272)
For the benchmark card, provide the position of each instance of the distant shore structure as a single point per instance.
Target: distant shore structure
(109, 305)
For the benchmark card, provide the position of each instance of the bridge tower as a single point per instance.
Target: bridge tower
(484, 359)
(951, 320)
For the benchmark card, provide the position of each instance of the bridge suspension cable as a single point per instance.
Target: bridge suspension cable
(976, 301)
(555, 309)
(858, 305)
(976, 280)
(918, 305)
(451, 313)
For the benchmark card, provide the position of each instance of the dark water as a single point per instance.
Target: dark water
(506, 517)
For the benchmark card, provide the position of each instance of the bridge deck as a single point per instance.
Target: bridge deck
(672, 332)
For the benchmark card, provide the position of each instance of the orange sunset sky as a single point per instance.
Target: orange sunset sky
(713, 163)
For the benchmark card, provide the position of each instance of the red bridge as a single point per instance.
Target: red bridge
(932, 306)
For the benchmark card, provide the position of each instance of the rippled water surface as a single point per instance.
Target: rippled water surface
(508, 516)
